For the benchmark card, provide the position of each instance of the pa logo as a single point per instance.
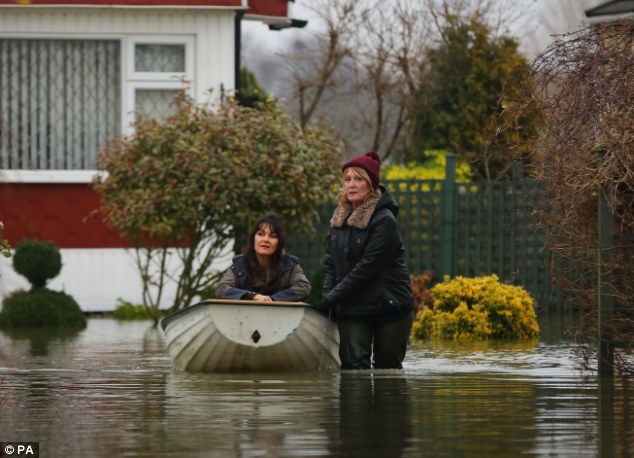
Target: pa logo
(19, 450)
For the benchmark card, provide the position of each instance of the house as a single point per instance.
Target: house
(72, 74)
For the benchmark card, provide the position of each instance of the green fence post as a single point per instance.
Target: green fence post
(605, 299)
(448, 221)
(516, 187)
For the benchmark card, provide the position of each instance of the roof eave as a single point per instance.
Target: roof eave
(596, 19)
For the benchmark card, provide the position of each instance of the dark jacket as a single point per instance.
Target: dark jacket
(365, 272)
(292, 285)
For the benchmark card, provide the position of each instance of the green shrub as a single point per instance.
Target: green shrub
(38, 261)
(127, 311)
(41, 308)
(479, 307)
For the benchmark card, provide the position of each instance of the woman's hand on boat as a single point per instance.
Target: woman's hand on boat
(322, 306)
(262, 298)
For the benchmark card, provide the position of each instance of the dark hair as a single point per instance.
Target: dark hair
(275, 223)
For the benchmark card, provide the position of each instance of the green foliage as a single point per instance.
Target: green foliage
(41, 308)
(38, 261)
(250, 93)
(127, 311)
(5, 247)
(480, 308)
(432, 167)
(470, 78)
(201, 178)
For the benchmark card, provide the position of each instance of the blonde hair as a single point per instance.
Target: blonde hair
(341, 197)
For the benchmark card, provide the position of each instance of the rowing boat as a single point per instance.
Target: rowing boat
(220, 335)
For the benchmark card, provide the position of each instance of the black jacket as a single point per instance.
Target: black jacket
(292, 284)
(365, 272)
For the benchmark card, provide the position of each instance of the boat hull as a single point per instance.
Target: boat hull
(249, 336)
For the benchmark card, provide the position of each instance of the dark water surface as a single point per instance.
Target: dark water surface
(109, 391)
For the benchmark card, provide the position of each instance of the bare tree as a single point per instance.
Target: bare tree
(498, 15)
(360, 70)
(315, 65)
(587, 97)
(389, 60)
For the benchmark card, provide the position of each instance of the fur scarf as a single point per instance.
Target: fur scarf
(359, 217)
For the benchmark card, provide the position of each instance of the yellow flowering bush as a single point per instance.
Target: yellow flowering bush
(432, 168)
(480, 307)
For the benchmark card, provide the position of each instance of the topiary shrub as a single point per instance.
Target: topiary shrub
(480, 307)
(38, 261)
(41, 308)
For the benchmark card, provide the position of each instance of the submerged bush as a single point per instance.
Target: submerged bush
(41, 308)
(479, 307)
(127, 311)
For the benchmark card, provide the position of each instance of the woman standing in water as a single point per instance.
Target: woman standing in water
(366, 285)
(265, 272)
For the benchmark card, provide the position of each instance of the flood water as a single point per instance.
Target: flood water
(110, 391)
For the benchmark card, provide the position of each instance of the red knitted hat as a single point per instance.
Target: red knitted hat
(371, 163)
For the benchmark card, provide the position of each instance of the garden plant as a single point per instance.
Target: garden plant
(39, 262)
(477, 308)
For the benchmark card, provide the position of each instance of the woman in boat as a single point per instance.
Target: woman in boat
(366, 284)
(265, 272)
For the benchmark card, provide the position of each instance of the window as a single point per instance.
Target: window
(60, 100)
(155, 103)
(159, 58)
(159, 67)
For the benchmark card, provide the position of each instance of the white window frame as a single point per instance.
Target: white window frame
(133, 86)
(152, 80)
(184, 40)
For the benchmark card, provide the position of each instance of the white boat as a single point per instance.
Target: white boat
(220, 335)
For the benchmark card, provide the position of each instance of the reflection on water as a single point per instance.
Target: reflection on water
(109, 390)
(39, 339)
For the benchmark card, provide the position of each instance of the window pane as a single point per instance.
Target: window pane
(156, 103)
(59, 102)
(159, 58)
